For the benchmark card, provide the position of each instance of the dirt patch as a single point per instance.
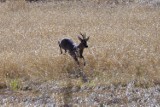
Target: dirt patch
(51, 93)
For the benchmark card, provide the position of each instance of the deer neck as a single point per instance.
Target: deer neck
(80, 47)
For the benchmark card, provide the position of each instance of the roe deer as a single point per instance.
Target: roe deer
(74, 50)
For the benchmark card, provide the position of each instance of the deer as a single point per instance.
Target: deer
(75, 51)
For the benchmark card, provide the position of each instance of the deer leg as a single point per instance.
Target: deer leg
(83, 60)
(65, 50)
(61, 50)
(60, 47)
(76, 59)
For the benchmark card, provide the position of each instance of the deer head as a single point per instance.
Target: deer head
(83, 40)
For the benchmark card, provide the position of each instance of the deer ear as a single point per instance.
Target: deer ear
(87, 38)
(80, 38)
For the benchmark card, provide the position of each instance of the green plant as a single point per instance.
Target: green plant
(14, 84)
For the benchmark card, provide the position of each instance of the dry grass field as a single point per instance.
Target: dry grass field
(123, 46)
(124, 43)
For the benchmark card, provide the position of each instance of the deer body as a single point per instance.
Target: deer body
(76, 51)
(67, 44)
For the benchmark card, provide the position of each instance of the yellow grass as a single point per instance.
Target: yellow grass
(123, 46)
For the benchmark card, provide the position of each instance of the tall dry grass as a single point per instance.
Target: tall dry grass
(123, 46)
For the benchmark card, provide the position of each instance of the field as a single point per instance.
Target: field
(123, 46)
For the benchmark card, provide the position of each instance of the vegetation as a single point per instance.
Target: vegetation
(123, 46)
(123, 55)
